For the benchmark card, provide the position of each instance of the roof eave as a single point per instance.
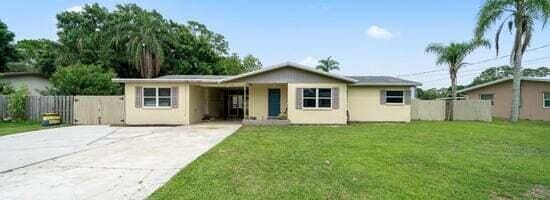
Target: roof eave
(137, 80)
(387, 84)
(500, 81)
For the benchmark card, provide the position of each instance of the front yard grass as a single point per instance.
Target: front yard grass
(7, 128)
(420, 160)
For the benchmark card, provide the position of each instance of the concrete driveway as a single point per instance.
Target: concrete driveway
(100, 162)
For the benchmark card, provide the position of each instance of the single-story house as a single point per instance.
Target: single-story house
(35, 82)
(287, 92)
(534, 103)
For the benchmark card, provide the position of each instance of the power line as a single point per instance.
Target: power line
(476, 63)
(460, 76)
(530, 61)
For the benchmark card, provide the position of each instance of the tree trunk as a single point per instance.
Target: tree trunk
(516, 59)
(453, 93)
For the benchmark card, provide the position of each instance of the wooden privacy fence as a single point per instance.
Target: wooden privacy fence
(99, 110)
(479, 110)
(428, 110)
(36, 106)
(73, 109)
(3, 107)
(437, 110)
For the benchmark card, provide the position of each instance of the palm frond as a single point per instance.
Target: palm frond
(489, 13)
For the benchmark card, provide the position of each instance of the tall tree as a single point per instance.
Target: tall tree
(328, 64)
(251, 63)
(7, 48)
(82, 36)
(39, 54)
(519, 15)
(453, 56)
(496, 73)
(143, 34)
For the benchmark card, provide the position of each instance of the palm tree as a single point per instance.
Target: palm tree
(142, 34)
(519, 15)
(453, 55)
(328, 64)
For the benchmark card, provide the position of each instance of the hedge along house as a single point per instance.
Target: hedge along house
(284, 93)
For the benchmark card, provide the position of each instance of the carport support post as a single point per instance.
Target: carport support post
(244, 103)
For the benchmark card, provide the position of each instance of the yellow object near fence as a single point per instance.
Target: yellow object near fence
(49, 119)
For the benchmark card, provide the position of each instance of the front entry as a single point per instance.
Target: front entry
(274, 103)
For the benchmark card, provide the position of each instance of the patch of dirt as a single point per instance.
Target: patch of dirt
(496, 196)
(538, 192)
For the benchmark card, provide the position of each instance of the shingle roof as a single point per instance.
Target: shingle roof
(382, 81)
(193, 77)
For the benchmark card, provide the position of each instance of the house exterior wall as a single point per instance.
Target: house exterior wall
(531, 99)
(258, 99)
(317, 116)
(214, 101)
(144, 116)
(197, 103)
(364, 106)
(34, 84)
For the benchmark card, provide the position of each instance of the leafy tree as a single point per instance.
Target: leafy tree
(521, 16)
(7, 49)
(112, 40)
(39, 55)
(251, 63)
(83, 38)
(496, 73)
(231, 65)
(217, 41)
(432, 93)
(328, 64)
(83, 79)
(143, 34)
(453, 55)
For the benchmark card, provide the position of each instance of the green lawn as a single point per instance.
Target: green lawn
(7, 128)
(420, 160)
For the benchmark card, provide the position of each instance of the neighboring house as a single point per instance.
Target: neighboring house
(35, 82)
(535, 97)
(286, 92)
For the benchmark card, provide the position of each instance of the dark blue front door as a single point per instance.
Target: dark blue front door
(274, 102)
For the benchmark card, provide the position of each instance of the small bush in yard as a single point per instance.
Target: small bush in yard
(16, 103)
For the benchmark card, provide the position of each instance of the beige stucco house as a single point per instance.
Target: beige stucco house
(284, 93)
(34, 82)
(535, 97)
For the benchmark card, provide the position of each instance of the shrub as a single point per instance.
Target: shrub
(16, 103)
(5, 88)
(82, 79)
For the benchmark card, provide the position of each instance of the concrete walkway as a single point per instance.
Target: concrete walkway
(101, 162)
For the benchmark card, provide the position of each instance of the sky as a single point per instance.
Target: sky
(367, 37)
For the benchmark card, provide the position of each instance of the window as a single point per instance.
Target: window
(395, 97)
(546, 100)
(490, 97)
(157, 97)
(317, 97)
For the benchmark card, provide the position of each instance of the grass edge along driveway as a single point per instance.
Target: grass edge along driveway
(9, 128)
(419, 160)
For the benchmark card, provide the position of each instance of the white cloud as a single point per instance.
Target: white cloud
(75, 9)
(309, 61)
(378, 32)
